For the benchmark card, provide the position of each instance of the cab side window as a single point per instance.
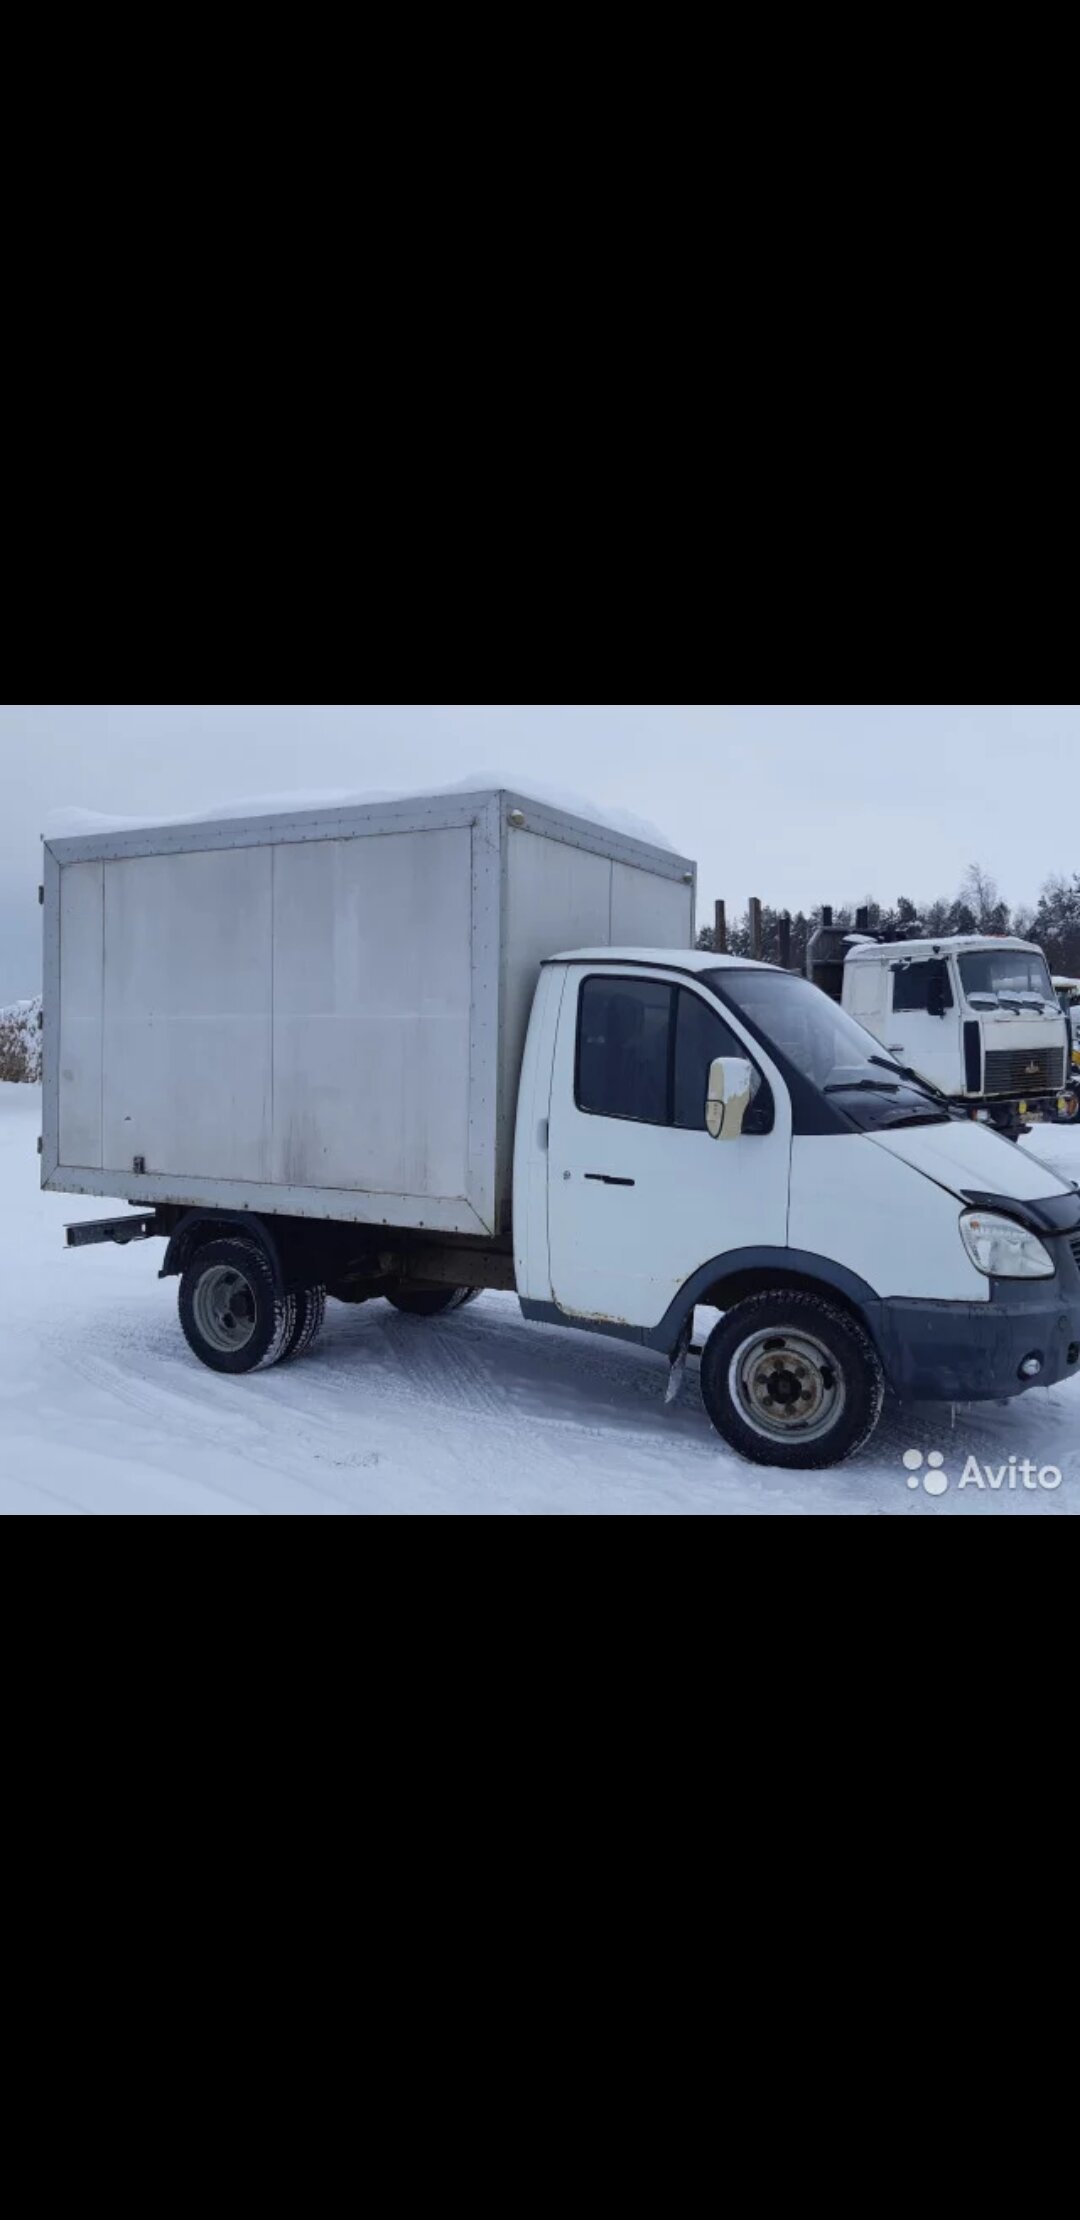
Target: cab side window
(911, 987)
(644, 1053)
(624, 1049)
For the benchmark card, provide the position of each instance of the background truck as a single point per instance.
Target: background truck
(977, 1017)
(341, 1054)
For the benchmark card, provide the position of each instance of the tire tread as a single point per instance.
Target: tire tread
(310, 1320)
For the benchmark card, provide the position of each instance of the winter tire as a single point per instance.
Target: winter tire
(435, 1304)
(233, 1318)
(310, 1320)
(791, 1380)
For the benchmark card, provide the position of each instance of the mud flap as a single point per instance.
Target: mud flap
(678, 1361)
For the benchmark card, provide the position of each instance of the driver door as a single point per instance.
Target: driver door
(929, 1044)
(640, 1196)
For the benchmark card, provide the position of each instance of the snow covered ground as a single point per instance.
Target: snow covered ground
(103, 1409)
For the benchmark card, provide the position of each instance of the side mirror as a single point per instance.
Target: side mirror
(731, 1088)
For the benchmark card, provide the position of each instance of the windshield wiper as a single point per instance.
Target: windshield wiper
(915, 1077)
(863, 1086)
(929, 1116)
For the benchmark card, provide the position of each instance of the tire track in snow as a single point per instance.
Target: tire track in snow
(244, 1416)
(245, 1429)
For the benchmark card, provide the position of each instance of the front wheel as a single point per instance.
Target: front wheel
(791, 1380)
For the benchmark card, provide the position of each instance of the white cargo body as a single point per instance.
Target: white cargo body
(322, 1014)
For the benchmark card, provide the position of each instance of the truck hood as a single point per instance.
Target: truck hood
(964, 1158)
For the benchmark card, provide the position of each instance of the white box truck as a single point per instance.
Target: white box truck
(341, 1053)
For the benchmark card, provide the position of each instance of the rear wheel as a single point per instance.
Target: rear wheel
(233, 1318)
(791, 1380)
(310, 1320)
(433, 1303)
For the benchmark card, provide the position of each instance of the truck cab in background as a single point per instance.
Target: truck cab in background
(976, 1017)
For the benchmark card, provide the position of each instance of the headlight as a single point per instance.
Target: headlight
(1004, 1250)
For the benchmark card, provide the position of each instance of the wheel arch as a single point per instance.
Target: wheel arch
(735, 1278)
(198, 1228)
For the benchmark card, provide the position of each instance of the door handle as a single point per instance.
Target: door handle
(604, 1179)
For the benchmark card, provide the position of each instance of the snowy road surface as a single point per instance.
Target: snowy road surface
(103, 1409)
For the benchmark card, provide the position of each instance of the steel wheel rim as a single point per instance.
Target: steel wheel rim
(225, 1310)
(787, 1386)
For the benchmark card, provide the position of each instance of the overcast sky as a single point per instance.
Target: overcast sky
(799, 804)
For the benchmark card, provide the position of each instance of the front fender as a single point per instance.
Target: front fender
(725, 1281)
(729, 1279)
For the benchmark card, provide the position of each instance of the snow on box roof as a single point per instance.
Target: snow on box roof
(81, 824)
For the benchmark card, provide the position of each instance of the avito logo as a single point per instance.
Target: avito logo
(930, 1474)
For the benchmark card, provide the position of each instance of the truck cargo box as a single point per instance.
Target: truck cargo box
(322, 1014)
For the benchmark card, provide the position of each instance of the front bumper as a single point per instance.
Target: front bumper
(973, 1352)
(1009, 1114)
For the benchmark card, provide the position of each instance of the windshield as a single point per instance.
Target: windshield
(828, 1048)
(1008, 974)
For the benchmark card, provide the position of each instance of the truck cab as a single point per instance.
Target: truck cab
(977, 1017)
(695, 1129)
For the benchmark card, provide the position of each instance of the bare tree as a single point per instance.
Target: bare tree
(981, 899)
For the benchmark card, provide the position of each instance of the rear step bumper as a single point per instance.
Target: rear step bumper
(93, 1233)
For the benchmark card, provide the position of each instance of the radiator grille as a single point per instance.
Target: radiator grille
(1025, 1071)
(1075, 1247)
